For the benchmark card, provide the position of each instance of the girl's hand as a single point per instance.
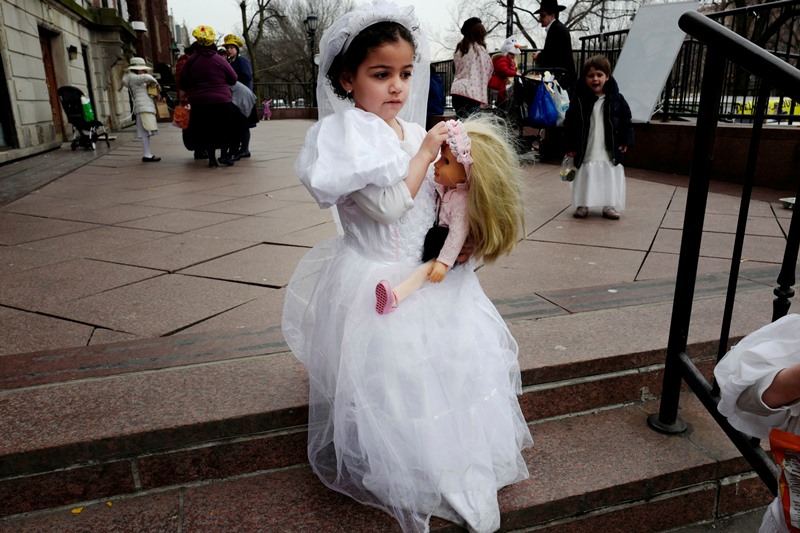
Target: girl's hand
(623, 149)
(437, 271)
(433, 141)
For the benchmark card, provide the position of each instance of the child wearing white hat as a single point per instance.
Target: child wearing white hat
(505, 67)
(136, 80)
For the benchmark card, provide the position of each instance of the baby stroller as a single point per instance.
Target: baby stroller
(85, 133)
(516, 111)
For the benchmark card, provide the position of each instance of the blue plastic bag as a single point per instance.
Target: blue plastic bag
(543, 112)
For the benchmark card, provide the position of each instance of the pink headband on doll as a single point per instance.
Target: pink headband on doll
(459, 143)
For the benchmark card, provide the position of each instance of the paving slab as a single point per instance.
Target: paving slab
(249, 205)
(19, 258)
(179, 221)
(535, 266)
(756, 247)
(38, 289)
(20, 229)
(265, 265)
(768, 226)
(174, 252)
(307, 237)
(23, 332)
(263, 312)
(723, 204)
(158, 306)
(660, 265)
(95, 241)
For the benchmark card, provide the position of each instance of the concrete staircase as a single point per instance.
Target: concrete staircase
(197, 433)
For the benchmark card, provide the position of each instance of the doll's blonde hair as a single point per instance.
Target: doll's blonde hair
(496, 218)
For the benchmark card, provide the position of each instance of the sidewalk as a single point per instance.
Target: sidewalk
(117, 250)
(142, 357)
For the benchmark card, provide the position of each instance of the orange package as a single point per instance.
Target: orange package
(786, 450)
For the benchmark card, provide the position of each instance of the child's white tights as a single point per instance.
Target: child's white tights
(145, 136)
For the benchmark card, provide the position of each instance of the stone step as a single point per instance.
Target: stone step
(599, 471)
(127, 418)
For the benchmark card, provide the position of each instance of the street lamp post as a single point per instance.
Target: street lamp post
(510, 18)
(311, 23)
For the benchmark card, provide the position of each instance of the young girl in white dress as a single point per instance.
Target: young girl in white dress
(478, 195)
(415, 413)
(599, 133)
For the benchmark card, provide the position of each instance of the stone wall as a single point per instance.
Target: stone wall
(667, 147)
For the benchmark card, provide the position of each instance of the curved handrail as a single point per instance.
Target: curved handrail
(721, 44)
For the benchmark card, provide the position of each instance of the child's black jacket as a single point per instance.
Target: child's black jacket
(617, 116)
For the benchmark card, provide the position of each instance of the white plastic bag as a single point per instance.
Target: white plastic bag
(561, 99)
(567, 170)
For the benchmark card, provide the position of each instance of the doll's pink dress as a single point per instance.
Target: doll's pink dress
(414, 412)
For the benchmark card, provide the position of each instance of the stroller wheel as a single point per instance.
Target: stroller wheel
(74, 146)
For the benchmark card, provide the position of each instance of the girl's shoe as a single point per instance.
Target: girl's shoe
(581, 212)
(385, 299)
(212, 162)
(610, 213)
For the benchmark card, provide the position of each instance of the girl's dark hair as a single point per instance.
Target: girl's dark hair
(597, 62)
(474, 34)
(370, 37)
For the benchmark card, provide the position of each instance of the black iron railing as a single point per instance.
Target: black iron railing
(288, 94)
(773, 26)
(722, 47)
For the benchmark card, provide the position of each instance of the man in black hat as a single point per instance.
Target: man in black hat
(557, 50)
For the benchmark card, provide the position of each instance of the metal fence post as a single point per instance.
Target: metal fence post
(666, 420)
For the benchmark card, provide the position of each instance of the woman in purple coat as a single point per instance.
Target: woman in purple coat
(207, 78)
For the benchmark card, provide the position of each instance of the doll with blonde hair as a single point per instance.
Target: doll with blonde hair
(478, 195)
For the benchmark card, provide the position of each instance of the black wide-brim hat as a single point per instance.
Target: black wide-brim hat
(550, 6)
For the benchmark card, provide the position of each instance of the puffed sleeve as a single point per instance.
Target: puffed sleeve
(347, 151)
(755, 360)
(384, 204)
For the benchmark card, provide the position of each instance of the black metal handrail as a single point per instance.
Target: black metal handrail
(285, 94)
(722, 46)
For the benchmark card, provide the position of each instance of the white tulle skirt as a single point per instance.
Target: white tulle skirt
(414, 412)
(599, 184)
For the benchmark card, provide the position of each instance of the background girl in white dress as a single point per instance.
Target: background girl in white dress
(599, 132)
(415, 413)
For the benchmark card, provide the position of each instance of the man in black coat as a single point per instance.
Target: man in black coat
(557, 50)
